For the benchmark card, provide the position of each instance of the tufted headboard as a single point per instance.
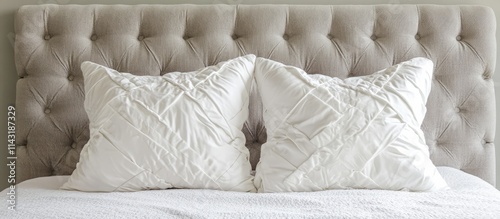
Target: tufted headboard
(344, 41)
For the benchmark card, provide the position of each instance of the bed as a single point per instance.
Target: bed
(52, 126)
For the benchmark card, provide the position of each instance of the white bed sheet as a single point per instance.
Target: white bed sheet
(469, 197)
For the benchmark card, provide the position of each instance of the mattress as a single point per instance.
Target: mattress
(468, 197)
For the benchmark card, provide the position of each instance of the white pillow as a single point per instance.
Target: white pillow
(179, 130)
(361, 132)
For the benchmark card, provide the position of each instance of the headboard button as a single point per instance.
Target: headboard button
(417, 37)
(47, 111)
(47, 37)
(71, 77)
(93, 37)
(373, 37)
(140, 38)
(459, 38)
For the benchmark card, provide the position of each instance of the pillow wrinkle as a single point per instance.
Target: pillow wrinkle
(119, 187)
(407, 120)
(224, 127)
(151, 171)
(328, 149)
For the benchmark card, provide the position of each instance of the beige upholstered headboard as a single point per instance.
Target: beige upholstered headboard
(343, 41)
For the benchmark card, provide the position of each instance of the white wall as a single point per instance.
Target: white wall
(8, 75)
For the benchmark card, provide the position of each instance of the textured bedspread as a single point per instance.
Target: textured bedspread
(469, 197)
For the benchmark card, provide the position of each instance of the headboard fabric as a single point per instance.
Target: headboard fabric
(344, 41)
